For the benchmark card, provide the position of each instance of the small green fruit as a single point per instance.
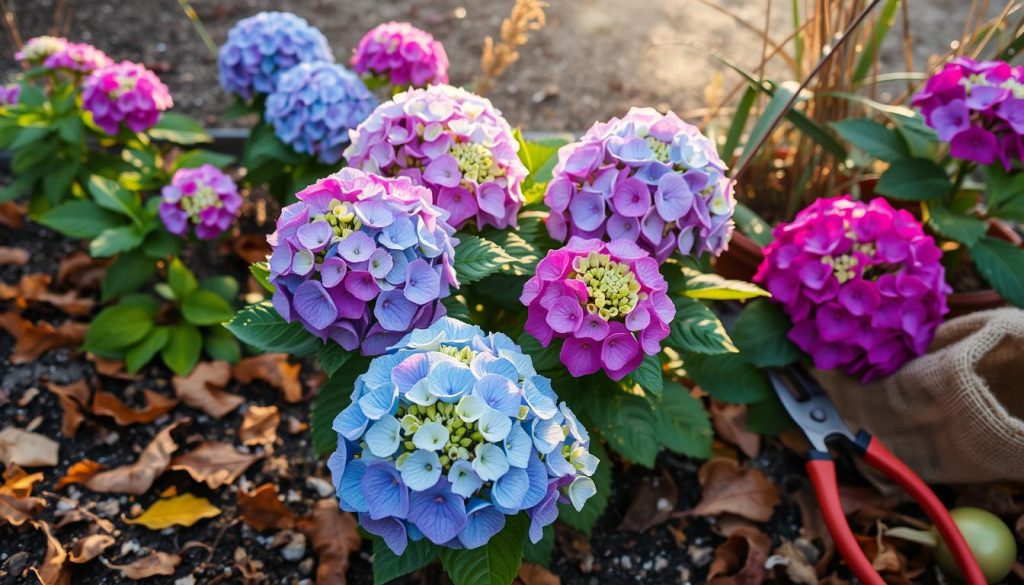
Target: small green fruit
(990, 541)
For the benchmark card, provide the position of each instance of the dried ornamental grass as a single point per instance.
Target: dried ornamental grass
(526, 16)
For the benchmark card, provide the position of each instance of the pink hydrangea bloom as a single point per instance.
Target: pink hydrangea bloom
(362, 260)
(451, 141)
(79, 57)
(649, 178)
(9, 94)
(402, 53)
(128, 93)
(862, 283)
(978, 108)
(204, 197)
(37, 49)
(607, 301)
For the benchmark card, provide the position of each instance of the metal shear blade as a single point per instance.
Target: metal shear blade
(809, 407)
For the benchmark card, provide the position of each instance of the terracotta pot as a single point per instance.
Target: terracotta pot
(744, 255)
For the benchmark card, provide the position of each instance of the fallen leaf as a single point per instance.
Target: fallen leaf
(139, 476)
(202, 389)
(16, 510)
(728, 488)
(259, 426)
(12, 215)
(33, 340)
(813, 526)
(18, 482)
(251, 247)
(183, 510)
(157, 405)
(36, 288)
(53, 571)
(262, 509)
(82, 271)
(730, 422)
(27, 449)
(214, 464)
(13, 256)
(274, 369)
(652, 504)
(740, 559)
(89, 547)
(73, 398)
(111, 368)
(80, 472)
(575, 546)
(157, 563)
(530, 574)
(334, 535)
(789, 560)
(71, 512)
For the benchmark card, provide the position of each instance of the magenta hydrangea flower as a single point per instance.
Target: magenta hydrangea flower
(607, 301)
(204, 197)
(978, 108)
(403, 54)
(649, 178)
(34, 52)
(125, 93)
(451, 141)
(862, 283)
(78, 57)
(9, 94)
(362, 260)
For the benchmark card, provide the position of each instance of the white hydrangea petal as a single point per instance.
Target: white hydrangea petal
(490, 462)
(580, 490)
(383, 436)
(432, 436)
(470, 408)
(494, 425)
(421, 470)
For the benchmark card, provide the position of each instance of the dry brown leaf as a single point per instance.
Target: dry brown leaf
(575, 546)
(33, 340)
(730, 421)
(111, 368)
(82, 271)
(18, 510)
(884, 558)
(652, 504)
(139, 476)
(813, 527)
(36, 288)
(73, 398)
(259, 426)
(89, 547)
(530, 574)
(13, 256)
(251, 247)
(12, 215)
(80, 472)
(740, 559)
(728, 488)
(157, 405)
(27, 449)
(262, 509)
(183, 510)
(203, 389)
(274, 369)
(334, 535)
(53, 571)
(790, 560)
(18, 482)
(214, 464)
(157, 563)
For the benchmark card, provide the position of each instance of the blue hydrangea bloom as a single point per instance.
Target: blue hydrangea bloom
(262, 47)
(452, 431)
(315, 105)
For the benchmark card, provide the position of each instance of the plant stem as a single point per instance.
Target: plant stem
(197, 24)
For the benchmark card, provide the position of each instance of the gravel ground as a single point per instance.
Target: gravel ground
(594, 60)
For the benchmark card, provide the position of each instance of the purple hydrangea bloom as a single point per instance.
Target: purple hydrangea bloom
(9, 94)
(861, 282)
(451, 432)
(78, 57)
(607, 301)
(34, 52)
(403, 54)
(315, 105)
(978, 108)
(262, 47)
(362, 260)
(204, 197)
(454, 142)
(125, 93)
(649, 178)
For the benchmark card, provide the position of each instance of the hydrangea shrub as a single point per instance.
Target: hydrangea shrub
(649, 178)
(453, 142)
(78, 57)
(862, 283)
(402, 54)
(126, 93)
(451, 432)
(607, 301)
(362, 260)
(202, 197)
(36, 50)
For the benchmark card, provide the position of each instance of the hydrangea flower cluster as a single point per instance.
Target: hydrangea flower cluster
(9, 94)
(204, 197)
(78, 57)
(452, 141)
(37, 49)
(607, 301)
(128, 93)
(362, 260)
(451, 432)
(403, 54)
(649, 178)
(862, 283)
(262, 47)
(978, 108)
(315, 105)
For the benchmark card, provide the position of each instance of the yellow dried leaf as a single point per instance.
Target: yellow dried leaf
(183, 510)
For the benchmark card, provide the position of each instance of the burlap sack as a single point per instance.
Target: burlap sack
(955, 414)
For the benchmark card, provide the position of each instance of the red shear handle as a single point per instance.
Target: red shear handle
(876, 455)
(822, 471)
